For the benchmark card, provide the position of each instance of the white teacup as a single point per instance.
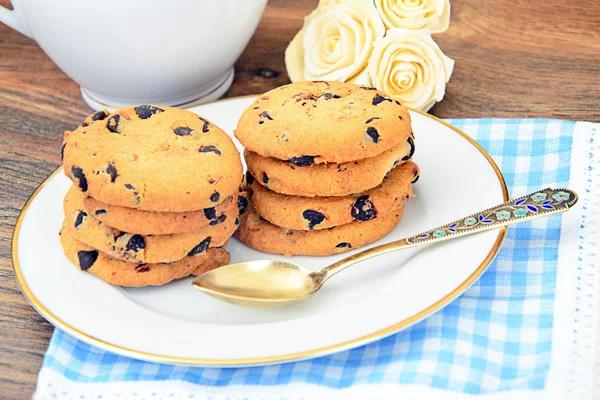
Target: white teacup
(124, 52)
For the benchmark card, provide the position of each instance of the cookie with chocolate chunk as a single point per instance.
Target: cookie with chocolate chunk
(123, 273)
(152, 158)
(328, 179)
(261, 235)
(134, 247)
(160, 223)
(309, 123)
(315, 213)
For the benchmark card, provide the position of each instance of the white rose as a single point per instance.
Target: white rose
(433, 15)
(335, 42)
(410, 67)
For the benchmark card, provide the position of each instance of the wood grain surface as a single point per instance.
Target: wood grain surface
(513, 59)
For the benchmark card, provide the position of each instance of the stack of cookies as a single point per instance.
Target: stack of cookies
(154, 195)
(329, 167)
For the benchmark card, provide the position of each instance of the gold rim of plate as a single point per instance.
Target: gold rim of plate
(57, 322)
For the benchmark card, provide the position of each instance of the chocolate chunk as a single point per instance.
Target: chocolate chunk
(62, 151)
(329, 96)
(371, 120)
(343, 245)
(135, 243)
(373, 134)
(113, 124)
(205, 126)
(313, 217)
(77, 173)
(99, 116)
(100, 212)
(146, 111)
(416, 179)
(397, 102)
(84, 124)
(87, 258)
(237, 221)
(261, 122)
(412, 150)
(249, 178)
(79, 219)
(266, 115)
(112, 172)
(220, 219)
(210, 213)
(210, 149)
(242, 204)
(380, 99)
(183, 131)
(201, 247)
(303, 161)
(129, 186)
(363, 209)
(265, 178)
(215, 196)
(142, 268)
(401, 118)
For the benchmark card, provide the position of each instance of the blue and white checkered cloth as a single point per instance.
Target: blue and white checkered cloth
(499, 337)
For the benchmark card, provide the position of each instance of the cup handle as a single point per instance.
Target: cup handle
(14, 19)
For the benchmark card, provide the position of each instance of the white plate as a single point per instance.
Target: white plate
(177, 324)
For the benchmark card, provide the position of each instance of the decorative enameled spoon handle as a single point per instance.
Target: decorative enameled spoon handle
(542, 203)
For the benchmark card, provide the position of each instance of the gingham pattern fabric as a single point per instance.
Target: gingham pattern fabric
(495, 337)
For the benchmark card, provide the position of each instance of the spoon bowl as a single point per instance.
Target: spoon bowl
(260, 283)
(277, 284)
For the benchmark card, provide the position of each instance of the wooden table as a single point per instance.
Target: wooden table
(513, 59)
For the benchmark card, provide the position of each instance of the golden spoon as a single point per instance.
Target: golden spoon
(278, 283)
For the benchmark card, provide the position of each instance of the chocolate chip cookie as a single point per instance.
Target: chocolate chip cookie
(160, 223)
(309, 123)
(315, 213)
(138, 248)
(328, 179)
(152, 158)
(261, 235)
(123, 273)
